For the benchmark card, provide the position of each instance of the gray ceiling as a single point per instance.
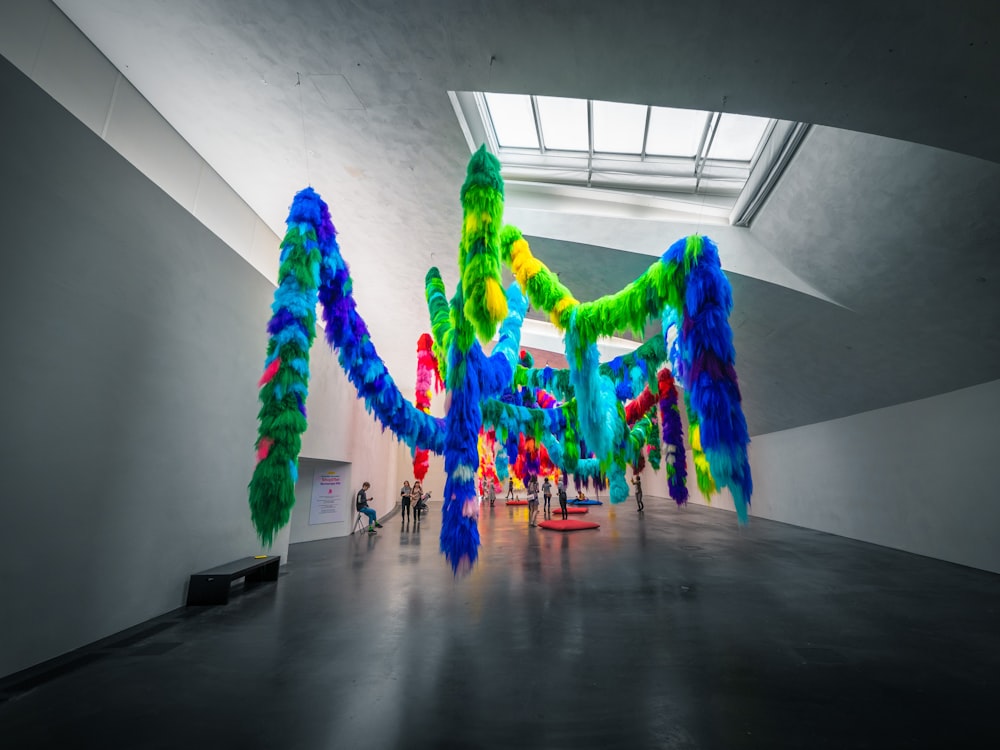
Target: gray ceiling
(904, 237)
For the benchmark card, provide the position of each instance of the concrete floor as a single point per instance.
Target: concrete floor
(674, 629)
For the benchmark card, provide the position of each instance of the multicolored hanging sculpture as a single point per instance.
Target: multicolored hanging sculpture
(427, 374)
(590, 421)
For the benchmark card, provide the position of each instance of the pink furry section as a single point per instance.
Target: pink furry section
(270, 372)
(263, 448)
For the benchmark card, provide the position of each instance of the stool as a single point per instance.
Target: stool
(360, 523)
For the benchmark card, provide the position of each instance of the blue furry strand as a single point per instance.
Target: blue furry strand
(708, 373)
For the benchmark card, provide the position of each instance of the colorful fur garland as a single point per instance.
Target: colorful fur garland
(654, 453)
(479, 249)
(673, 438)
(564, 414)
(472, 376)
(284, 384)
(687, 279)
(705, 341)
(428, 377)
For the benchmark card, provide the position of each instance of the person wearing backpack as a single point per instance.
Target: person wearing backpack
(361, 503)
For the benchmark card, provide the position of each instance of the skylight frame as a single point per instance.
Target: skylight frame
(679, 180)
(703, 154)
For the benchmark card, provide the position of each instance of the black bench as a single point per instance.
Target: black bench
(212, 586)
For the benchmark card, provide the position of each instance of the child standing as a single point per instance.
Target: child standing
(637, 481)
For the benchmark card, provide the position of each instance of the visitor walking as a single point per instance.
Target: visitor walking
(637, 482)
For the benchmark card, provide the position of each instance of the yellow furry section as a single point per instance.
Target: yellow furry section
(560, 307)
(496, 300)
(523, 264)
(704, 472)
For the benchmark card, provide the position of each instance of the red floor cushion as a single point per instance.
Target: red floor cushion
(568, 525)
(569, 509)
(517, 502)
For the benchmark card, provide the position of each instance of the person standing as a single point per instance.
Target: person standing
(361, 503)
(562, 502)
(417, 493)
(491, 493)
(547, 495)
(405, 495)
(510, 488)
(532, 501)
(637, 482)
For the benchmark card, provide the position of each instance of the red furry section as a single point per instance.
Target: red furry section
(263, 448)
(637, 407)
(270, 372)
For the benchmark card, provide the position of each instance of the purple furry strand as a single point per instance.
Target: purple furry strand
(673, 437)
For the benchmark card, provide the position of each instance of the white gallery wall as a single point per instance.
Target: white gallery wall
(135, 320)
(300, 527)
(917, 477)
(134, 339)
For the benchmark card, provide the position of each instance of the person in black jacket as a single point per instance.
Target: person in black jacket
(404, 497)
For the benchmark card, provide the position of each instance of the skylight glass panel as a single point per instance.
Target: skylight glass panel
(513, 120)
(564, 123)
(675, 132)
(618, 128)
(737, 137)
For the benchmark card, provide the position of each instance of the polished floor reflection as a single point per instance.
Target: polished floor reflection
(668, 629)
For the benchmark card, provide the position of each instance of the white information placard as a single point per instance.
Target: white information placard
(327, 497)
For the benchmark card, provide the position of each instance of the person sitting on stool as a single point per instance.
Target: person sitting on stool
(362, 505)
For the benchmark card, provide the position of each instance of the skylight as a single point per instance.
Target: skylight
(676, 132)
(619, 128)
(564, 123)
(638, 150)
(513, 120)
(737, 137)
